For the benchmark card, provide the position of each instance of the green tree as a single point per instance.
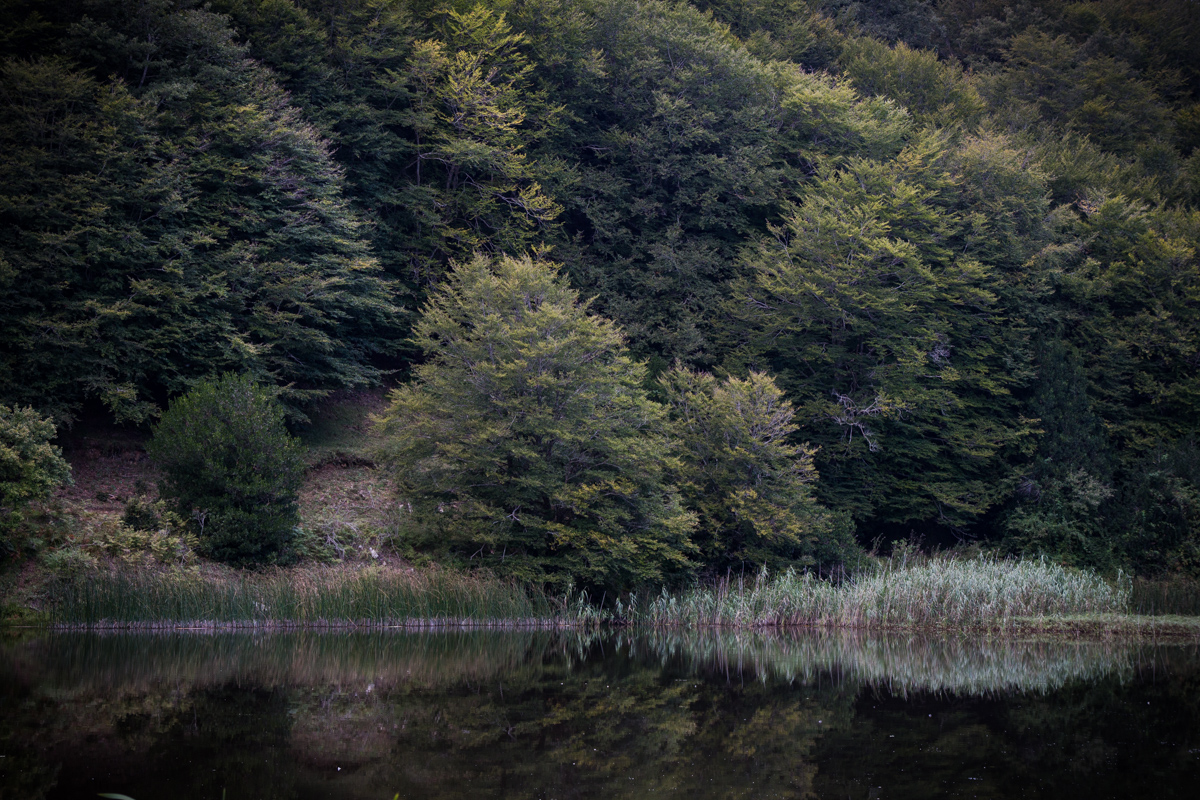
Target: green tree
(30, 466)
(1128, 290)
(472, 187)
(935, 92)
(893, 314)
(433, 114)
(681, 145)
(1059, 509)
(526, 442)
(1157, 513)
(750, 487)
(231, 468)
(177, 219)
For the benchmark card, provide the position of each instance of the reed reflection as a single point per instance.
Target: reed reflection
(899, 662)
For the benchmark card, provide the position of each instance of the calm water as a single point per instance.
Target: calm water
(466, 715)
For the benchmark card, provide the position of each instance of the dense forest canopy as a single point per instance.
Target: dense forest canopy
(959, 239)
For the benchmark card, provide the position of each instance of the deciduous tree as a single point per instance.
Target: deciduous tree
(526, 442)
(748, 482)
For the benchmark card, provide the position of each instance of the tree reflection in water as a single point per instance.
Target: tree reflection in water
(465, 714)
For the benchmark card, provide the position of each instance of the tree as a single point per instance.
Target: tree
(166, 214)
(681, 145)
(29, 465)
(893, 315)
(750, 486)
(472, 187)
(230, 466)
(526, 442)
(933, 91)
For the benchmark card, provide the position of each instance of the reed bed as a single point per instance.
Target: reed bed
(314, 598)
(932, 594)
(980, 593)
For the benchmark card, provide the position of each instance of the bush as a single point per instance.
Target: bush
(230, 467)
(29, 465)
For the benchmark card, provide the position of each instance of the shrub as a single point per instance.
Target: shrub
(230, 467)
(29, 465)
(68, 563)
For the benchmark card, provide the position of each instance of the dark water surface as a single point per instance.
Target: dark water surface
(541, 715)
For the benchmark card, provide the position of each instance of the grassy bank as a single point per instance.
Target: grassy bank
(299, 598)
(1168, 595)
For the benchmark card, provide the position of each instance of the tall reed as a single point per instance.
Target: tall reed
(939, 594)
(302, 598)
(943, 593)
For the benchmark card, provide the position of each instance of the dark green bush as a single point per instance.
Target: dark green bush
(141, 515)
(231, 468)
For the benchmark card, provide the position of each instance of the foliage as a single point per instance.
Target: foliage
(30, 466)
(961, 236)
(749, 486)
(167, 214)
(1158, 511)
(526, 442)
(231, 468)
(432, 112)
(681, 143)
(934, 91)
(473, 189)
(893, 318)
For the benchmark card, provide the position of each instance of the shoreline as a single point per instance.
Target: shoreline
(1108, 627)
(982, 596)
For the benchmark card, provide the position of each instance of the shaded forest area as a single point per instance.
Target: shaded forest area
(853, 269)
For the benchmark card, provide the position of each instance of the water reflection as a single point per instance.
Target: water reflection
(461, 714)
(899, 663)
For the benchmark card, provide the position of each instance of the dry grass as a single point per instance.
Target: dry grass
(350, 511)
(108, 468)
(345, 504)
(339, 431)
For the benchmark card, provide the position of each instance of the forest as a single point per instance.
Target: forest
(658, 289)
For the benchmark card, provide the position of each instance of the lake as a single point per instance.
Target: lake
(468, 714)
